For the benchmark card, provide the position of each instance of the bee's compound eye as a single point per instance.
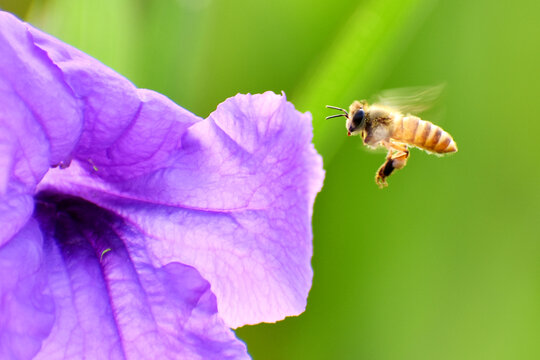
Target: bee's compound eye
(358, 118)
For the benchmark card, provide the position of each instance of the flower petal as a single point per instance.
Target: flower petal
(57, 104)
(39, 122)
(39, 108)
(127, 131)
(77, 108)
(112, 303)
(235, 202)
(26, 309)
(231, 196)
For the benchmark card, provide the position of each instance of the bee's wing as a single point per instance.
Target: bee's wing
(412, 100)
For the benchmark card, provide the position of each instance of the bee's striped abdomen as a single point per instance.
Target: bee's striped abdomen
(423, 134)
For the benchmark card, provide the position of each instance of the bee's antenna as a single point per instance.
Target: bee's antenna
(337, 108)
(335, 116)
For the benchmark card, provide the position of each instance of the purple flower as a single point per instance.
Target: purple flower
(131, 228)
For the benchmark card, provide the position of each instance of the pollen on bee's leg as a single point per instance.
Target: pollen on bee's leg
(348, 133)
(398, 163)
(384, 171)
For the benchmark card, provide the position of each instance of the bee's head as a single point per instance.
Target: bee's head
(355, 117)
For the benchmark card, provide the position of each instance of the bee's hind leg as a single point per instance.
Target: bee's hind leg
(395, 160)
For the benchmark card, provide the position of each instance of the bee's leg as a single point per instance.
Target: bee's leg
(384, 171)
(395, 160)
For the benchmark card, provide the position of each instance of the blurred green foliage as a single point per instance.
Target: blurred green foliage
(443, 264)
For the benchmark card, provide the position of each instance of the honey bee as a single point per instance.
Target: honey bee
(381, 125)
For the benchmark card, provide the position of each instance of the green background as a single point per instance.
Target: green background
(442, 264)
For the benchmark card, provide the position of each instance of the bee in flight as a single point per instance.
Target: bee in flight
(381, 125)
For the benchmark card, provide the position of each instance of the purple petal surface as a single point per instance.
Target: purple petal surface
(39, 122)
(27, 309)
(235, 204)
(163, 231)
(112, 303)
(127, 131)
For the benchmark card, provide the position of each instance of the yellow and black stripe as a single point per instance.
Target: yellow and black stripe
(423, 134)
